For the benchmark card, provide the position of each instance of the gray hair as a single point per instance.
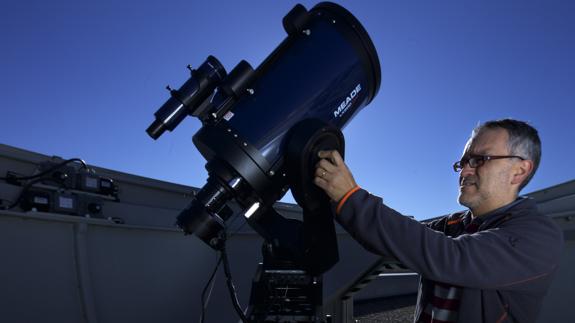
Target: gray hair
(523, 141)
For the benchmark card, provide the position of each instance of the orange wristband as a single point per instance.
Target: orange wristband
(345, 197)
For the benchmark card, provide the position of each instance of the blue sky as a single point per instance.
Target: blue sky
(83, 79)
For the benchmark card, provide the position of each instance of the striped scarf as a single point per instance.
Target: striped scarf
(444, 304)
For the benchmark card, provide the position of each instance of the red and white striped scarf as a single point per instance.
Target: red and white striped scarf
(444, 304)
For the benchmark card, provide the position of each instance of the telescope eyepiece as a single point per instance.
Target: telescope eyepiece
(156, 129)
(206, 214)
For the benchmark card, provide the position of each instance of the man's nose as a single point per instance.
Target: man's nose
(467, 170)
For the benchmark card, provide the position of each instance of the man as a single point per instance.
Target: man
(491, 263)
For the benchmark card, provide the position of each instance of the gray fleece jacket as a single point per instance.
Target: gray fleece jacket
(504, 269)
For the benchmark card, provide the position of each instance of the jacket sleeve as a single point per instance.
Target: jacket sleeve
(522, 250)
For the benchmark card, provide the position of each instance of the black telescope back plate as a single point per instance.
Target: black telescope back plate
(306, 139)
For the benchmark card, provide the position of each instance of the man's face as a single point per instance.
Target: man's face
(488, 186)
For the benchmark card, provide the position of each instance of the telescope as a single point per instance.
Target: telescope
(262, 130)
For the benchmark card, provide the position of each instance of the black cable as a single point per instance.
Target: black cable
(229, 282)
(47, 171)
(204, 301)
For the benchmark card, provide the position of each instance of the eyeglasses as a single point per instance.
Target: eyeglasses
(475, 161)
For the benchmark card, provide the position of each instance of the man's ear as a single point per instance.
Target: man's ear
(521, 171)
